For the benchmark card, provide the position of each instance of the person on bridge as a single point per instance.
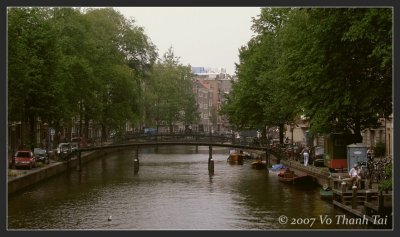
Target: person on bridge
(306, 155)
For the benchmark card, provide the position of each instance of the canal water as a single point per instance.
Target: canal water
(172, 191)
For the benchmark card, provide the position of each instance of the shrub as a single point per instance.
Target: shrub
(40, 164)
(12, 173)
(386, 183)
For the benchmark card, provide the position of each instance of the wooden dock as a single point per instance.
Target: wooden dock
(361, 202)
(364, 203)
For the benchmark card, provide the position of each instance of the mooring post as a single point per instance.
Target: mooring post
(343, 186)
(368, 195)
(137, 153)
(136, 161)
(79, 167)
(197, 139)
(211, 166)
(354, 197)
(210, 160)
(266, 160)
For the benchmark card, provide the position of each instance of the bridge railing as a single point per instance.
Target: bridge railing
(192, 137)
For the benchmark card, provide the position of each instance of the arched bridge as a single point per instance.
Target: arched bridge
(142, 140)
(183, 139)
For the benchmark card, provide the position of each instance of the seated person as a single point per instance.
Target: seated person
(355, 175)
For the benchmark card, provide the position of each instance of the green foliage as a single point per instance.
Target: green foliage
(64, 63)
(387, 183)
(169, 96)
(331, 64)
(33, 56)
(12, 173)
(260, 97)
(40, 164)
(379, 149)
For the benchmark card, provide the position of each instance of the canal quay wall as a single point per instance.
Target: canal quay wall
(27, 178)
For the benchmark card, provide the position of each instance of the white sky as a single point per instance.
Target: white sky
(200, 36)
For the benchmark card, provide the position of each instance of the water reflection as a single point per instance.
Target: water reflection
(173, 190)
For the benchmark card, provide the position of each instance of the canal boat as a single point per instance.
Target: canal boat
(236, 158)
(278, 167)
(290, 177)
(326, 192)
(258, 165)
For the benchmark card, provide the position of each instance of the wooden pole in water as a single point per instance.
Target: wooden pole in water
(79, 167)
(137, 153)
(197, 139)
(210, 161)
(266, 160)
(136, 161)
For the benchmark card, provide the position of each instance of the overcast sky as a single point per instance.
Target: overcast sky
(200, 36)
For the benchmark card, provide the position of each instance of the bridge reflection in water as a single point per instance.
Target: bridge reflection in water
(173, 190)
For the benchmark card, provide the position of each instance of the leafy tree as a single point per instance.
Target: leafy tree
(332, 65)
(260, 98)
(66, 62)
(120, 53)
(170, 96)
(33, 58)
(339, 74)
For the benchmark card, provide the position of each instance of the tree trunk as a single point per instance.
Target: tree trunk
(86, 130)
(357, 130)
(32, 139)
(281, 127)
(103, 133)
(80, 119)
(264, 132)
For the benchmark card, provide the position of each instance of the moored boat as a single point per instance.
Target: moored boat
(278, 167)
(258, 165)
(326, 192)
(236, 158)
(290, 177)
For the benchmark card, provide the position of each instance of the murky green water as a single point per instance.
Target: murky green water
(173, 190)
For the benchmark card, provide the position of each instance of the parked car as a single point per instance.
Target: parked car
(63, 149)
(74, 146)
(80, 140)
(24, 158)
(41, 155)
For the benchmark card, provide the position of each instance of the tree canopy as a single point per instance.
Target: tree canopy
(333, 65)
(170, 99)
(88, 64)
